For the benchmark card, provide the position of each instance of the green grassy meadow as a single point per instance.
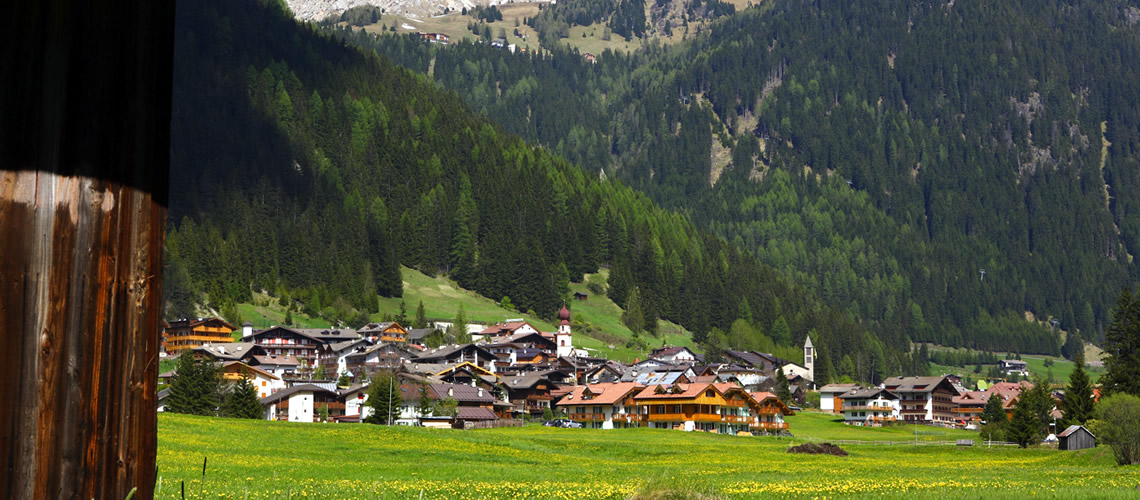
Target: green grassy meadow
(253, 459)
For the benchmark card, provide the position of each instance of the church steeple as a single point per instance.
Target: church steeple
(564, 338)
(809, 359)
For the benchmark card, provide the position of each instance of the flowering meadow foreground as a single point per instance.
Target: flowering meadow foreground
(258, 460)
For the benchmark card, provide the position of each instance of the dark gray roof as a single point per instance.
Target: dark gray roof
(462, 393)
(285, 393)
(419, 333)
(869, 394)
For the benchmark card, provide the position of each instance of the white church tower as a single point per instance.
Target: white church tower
(809, 359)
(563, 338)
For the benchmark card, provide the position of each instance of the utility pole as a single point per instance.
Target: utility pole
(84, 186)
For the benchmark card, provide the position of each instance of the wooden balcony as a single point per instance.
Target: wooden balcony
(913, 401)
(771, 426)
(628, 418)
(587, 417)
(867, 408)
(969, 410)
(920, 411)
(881, 419)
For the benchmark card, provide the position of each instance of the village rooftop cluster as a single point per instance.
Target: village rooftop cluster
(511, 371)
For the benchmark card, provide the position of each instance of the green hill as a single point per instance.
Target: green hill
(310, 173)
(933, 169)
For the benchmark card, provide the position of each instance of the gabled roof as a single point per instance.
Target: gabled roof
(347, 344)
(452, 351)
(321, 336)
(286, 393)
(872, 393)
(193, 322)
(462, 393)
(671, 351)
(475, 413)
(419, 333)
(274, 359)
(599, 394)
(837, 388)
(918, 384)
(525, 381)
(378, 328)
(505, 328)
(769, 399)
(674, 391)
(1074, 428)
(756, 359)
(259, 371)
(230, 351)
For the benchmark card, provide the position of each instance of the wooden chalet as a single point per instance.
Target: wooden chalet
(192, 333)
(530, 394)
(366, 361)
(831, 396)
(384, 332)
(604, 406)
(720, 408)
(233, 351)
(770, 412)
(458, 353)
(265, 382)
(304, 343)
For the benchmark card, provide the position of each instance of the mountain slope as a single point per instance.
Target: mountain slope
(883, 154)
(313, 171)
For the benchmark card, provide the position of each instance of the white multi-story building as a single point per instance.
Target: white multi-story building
(870, 406)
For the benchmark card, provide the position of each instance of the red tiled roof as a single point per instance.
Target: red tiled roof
(603, 394)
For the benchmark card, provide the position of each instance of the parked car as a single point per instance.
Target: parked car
(554, 423)
(570, 424)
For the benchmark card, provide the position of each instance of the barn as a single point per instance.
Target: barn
(1076, 437)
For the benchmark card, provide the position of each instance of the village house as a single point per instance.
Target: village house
(302, 403)
(384, 332)
(366, 361)
(507, 329)
(458, 353)
(676, 355)
(530, 394)
(870, 407)
(924, 399)
(333, 356)
(192, 333)
(770, 413)
(603, 406)
(608, 372)
(721, 408)
(304, 343)
(831, 396)
(282, 366)
(265, 382)
(1014, 367)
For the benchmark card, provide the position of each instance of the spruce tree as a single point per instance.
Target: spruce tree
(1078, 403)
(783, 392)
(194, 389)
(1122, 344)
(243, 402)
(632, 316)
(1024, 428)
(994, 411)
(423, 408)
(383, 399)
(421, 317)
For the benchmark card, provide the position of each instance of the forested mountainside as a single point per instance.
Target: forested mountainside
(938, 169)
(313, 170)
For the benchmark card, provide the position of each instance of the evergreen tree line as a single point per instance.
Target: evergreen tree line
(198, 389)
(883, 168)
(313, 172)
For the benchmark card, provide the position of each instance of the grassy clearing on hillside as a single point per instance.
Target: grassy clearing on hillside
(258, 460)
(442, 298)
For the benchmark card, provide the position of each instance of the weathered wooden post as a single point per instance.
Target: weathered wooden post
(84, 159)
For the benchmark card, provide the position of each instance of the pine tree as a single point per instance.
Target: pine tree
(1024, 428)
(421, 317)
(1078, 403)
(319, 372)
(783, 391)
(243, 402)
(383, 399)
(632, 316)
(1122, 344)
(195, 387)
(423, 408)
(402, 318)
(994, 411)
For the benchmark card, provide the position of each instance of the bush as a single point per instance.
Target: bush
(1117, 425)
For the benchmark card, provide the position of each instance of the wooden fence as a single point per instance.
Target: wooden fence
(493, 424)
(960, 442)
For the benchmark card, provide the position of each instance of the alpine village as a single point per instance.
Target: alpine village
(652, 249)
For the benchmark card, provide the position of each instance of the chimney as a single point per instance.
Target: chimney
(450, 392)
(480, 392)
(246, 330)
